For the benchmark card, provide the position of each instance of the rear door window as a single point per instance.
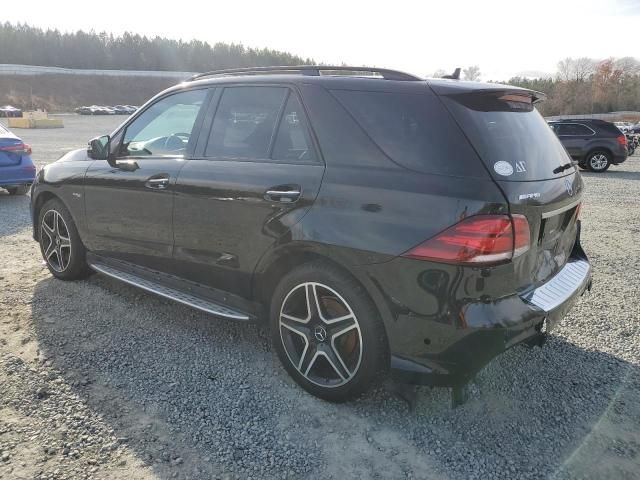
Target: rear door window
(413, 130)
(512, 138)
(245, 122)
(573, 129)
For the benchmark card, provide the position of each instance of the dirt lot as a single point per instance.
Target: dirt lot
(100, 380)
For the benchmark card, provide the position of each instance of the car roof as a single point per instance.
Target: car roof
(359, 82)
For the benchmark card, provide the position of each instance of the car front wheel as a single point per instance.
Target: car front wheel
(60, 242)
(327, 332)
(598, 161)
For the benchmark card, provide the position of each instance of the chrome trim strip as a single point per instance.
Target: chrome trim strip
(573, 276)
(170, 293)
(557, 211)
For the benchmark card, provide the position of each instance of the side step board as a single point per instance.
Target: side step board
(169, 292)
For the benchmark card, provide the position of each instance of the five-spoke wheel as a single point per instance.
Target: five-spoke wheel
(320, 334)
(60, 243)
(327, 332)
(56, 244)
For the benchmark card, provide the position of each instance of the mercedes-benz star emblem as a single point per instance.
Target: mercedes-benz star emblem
(320, 333)
(569, 186)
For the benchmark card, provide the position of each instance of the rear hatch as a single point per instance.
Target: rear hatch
(532, 168)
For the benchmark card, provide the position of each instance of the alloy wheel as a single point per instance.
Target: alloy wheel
(55, 241)
(320, 334)
(598, 161)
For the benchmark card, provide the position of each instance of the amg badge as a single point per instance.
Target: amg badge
(526, 196)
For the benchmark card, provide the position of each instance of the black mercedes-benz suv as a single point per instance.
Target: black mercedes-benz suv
(381, 222)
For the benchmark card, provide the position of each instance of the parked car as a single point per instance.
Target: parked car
(17, 170)
(622, 126)
(10, 111)
(379, 223)
(595, 144)
(92, 110)
(635, 129)
(123, 110)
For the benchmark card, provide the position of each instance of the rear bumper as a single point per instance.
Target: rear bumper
(620, 154)
(23, 173)
(459, 336)
(618, 159)
(15, 181)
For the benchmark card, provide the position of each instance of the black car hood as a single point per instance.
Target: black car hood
(78, 155)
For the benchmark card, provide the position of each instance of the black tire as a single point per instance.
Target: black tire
(366, 342)
(18, 190)
(65, 263)
(598, 161)
(583, 165)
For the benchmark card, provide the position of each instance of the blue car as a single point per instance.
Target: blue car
(17, 170)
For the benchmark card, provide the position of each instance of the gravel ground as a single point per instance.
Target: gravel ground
(100, 380)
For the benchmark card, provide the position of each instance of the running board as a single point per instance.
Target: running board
(168, 292)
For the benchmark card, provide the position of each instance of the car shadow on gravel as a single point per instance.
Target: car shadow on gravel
(14, 213)
(197, 397)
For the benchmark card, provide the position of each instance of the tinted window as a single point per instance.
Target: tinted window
(165, 127)
(292, 141)
(510, 135)
(572, 129)
(245, 122)
(414, 130)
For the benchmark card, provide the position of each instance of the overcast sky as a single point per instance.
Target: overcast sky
(502, 37)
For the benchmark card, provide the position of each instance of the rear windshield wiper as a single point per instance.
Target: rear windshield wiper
(562, 168)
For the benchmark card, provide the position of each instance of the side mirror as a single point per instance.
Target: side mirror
(99, 148)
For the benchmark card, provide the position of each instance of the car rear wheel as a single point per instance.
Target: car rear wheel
(598, 161)
(60, 242)
(18, 190)
(327, 332)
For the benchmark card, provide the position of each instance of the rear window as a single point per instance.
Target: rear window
(414, 130)
(510, 135)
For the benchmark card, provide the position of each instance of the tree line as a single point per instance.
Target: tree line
(26, 45)
(584, 86)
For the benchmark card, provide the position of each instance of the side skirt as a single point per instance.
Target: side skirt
(178, 289)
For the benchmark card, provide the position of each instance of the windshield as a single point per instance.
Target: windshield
(512, 138)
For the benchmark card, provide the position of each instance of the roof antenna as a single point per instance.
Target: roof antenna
(455, 75)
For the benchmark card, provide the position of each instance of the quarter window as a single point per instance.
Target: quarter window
(165, 127)
(245, 122)
(292, 141)
(414, 130)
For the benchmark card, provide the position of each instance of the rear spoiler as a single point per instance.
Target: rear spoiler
(449, 87)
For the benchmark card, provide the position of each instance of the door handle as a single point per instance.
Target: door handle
(283, 193)
(157, 183)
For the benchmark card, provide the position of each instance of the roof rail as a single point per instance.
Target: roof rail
(311, 70)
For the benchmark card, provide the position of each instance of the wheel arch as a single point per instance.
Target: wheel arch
(280, 261)
(592, 150)
(40, 200)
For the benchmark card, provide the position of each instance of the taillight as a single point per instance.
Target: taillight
(477, 240)
(21, 148)
(622, 140)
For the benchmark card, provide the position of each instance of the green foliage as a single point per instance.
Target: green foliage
(22, 44)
